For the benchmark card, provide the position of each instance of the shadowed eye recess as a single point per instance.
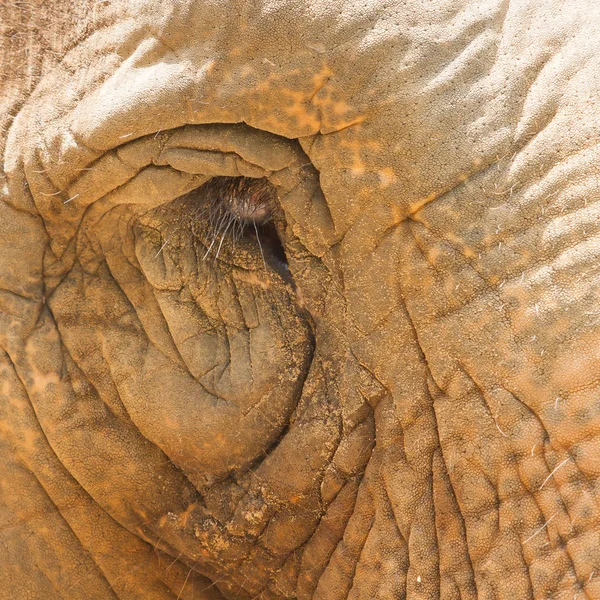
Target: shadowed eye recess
(237, 207)
(248, 200)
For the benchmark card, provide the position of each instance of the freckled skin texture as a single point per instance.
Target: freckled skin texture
(412, 412)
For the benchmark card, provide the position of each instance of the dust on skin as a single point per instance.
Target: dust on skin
(481, 482)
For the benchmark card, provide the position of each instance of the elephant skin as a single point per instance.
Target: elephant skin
(396, 395)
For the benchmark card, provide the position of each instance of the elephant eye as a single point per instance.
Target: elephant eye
(233, 205)
(245, 200)
(237, 211)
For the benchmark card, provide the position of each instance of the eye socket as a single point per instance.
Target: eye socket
(246, 199)
(242, 208)
(273, 251)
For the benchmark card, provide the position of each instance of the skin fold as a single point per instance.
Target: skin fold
(394, 395)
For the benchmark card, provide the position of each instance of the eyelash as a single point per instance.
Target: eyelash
(235, 208)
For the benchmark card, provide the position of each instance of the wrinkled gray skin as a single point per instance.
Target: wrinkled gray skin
(405, 406)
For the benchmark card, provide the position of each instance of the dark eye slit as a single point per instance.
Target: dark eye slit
(242, 207)
(272, 250)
